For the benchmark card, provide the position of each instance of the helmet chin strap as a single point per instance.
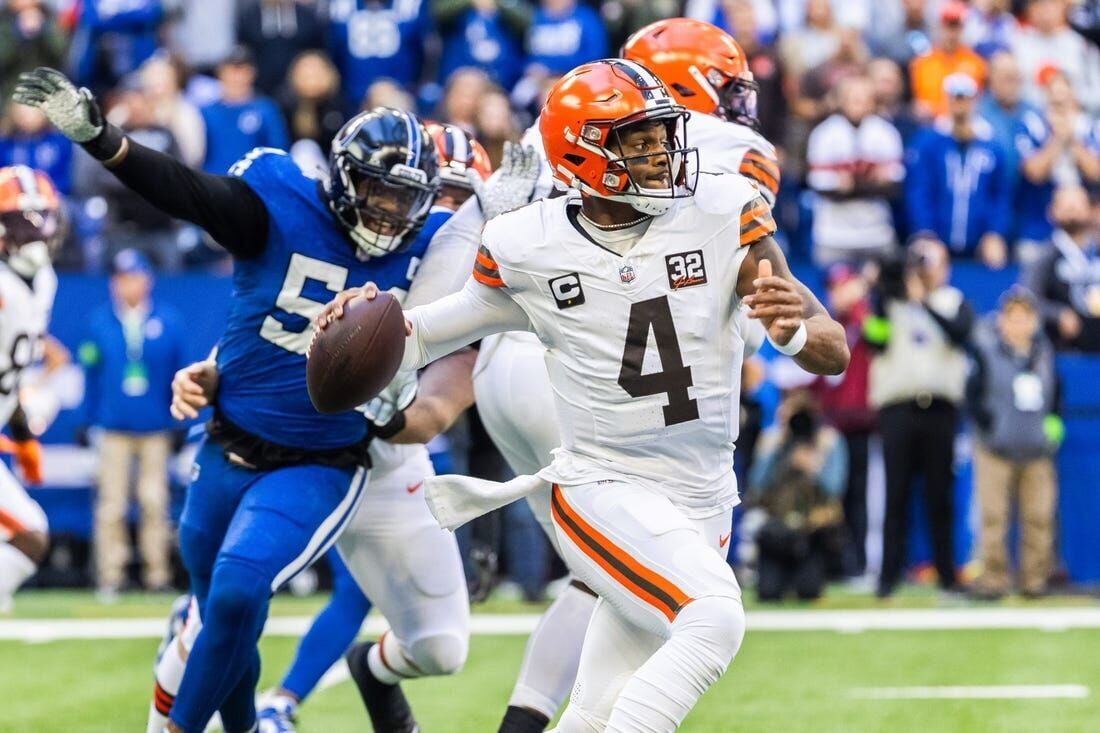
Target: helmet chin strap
(28, 259)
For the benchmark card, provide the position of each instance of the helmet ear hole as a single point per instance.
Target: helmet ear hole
(574, 159)
(682, 90)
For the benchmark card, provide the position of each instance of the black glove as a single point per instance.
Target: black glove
(74, 112)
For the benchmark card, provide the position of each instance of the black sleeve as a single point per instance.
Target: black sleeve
(226, 207)
(957, 328)
(975, 391)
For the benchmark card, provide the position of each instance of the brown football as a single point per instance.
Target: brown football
(353, 360)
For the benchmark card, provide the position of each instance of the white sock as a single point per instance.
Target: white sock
(169, 671)
(705, 637)
(553, 653)
(15, 567)
(389, 662)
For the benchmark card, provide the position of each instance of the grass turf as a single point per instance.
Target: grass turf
(781, 681)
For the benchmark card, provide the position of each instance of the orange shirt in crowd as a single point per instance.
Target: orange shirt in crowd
(927, 73)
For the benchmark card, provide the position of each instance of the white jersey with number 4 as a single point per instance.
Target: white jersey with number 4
(24, 316)
(642, 352)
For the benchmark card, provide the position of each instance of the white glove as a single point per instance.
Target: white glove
(72, 111)
(512, 185)
(397, 395)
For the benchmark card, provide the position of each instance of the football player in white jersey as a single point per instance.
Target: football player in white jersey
(641, 488)
(30, 228)
(706, 71)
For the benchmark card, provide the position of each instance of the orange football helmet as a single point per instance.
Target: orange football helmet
(703, 66)
(31, 224)
(458, 152)
(581, 121)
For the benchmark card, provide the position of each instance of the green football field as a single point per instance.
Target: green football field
(1038, 681)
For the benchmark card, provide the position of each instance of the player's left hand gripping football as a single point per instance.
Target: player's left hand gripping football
(776, 303)
(74, 112)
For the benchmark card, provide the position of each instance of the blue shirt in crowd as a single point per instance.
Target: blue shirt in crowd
(1006, 125)
(113, 38)
(128, 370)
(234, 128)
(484, 41)
(1034, 198)
(48, 151)
(563, 41)
(959, 191)
(371, 41)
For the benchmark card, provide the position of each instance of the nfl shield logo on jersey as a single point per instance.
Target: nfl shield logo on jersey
(626, 273)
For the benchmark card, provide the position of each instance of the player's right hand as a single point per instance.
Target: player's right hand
(193, 388)
(74, 112)
(334, 309)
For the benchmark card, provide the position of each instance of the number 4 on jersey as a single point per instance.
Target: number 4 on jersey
(674, 378)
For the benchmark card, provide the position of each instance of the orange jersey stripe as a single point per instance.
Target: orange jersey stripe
(761, 174)
(486, 262)
(754, 235)
(489, 280)
(647, 585)
(10, 524)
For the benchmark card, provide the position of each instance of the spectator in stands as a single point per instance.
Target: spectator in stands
(378, 39)
(1060, 147)
(27, 139)
(133, 348)
(890, 103)
(462, 97)
(29, 37)
(990, 27)
(920, 330)
(482, 34)
(311, 102)
(495, 125)
(1066, 280)
(623, 17)
(771, 105)
(132, 222)
(909, 37)
(797, 478)
(855, 161)
(563, 34)
(1046, 39)
(948, 56)
(204, 32)
(957, 189)
(388, 93)
(1013, 395)
(113, 39)
(277, 32)
(1003, 109)
(811, 45)
(241, 119)
(162, 84)
(844, 404)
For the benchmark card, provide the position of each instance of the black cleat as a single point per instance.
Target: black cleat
(523, 720)
(386, 705)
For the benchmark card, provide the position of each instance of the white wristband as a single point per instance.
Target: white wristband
(795, 345)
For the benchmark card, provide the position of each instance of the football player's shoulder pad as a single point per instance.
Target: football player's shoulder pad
(724, 194)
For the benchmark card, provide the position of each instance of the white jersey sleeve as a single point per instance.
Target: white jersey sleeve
(727, 147)
(449, 257)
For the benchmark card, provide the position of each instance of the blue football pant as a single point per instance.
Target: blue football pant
(243, 534)
(332, 632)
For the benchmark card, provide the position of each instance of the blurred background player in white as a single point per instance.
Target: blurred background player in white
(706, 71)
(642, 488)
(30, 230)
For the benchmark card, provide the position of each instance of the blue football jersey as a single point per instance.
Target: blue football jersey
(305, 262)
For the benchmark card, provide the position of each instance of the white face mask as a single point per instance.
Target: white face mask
(29, 259)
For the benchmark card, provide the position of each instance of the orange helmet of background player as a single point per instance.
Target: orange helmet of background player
(30, 218)
(458, 152)
(702, 65)
(580, 124)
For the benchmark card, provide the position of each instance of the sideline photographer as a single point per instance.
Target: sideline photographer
(918, 377)
(797, 479)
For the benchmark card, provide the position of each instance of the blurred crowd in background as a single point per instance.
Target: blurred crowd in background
(911, 134)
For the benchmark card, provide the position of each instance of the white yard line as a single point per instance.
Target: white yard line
(973, 692)
(1040, 618)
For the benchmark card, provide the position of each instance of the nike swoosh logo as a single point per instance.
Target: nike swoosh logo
(723, 541)
(413, 488)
